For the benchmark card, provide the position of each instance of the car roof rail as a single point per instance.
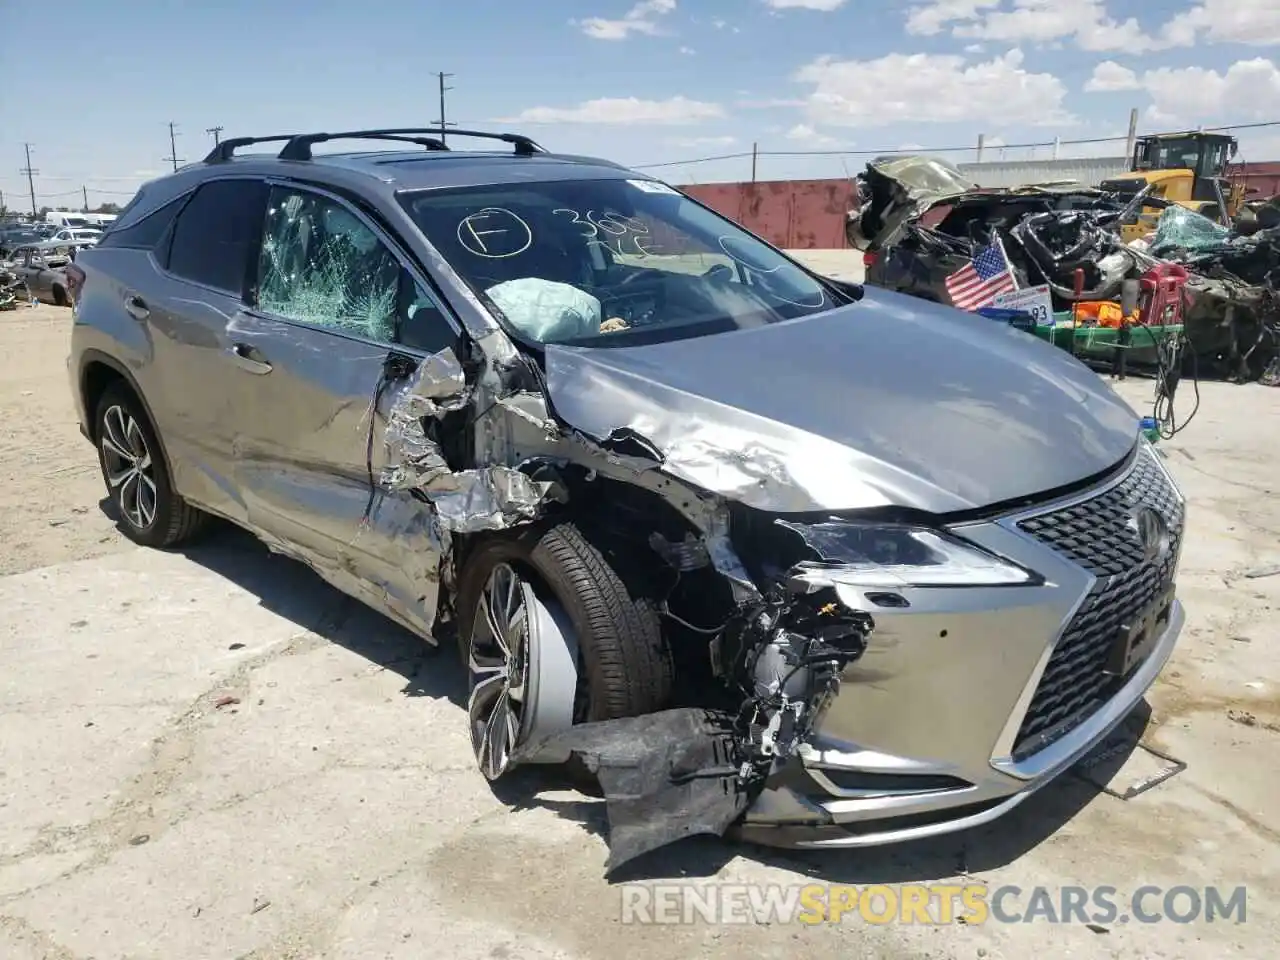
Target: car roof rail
(299, 146)
(225, 149)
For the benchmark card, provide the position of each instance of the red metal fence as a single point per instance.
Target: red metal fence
(810, 214)
(791, 214)
(1261, 177)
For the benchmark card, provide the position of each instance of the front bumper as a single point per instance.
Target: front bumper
(969, 700)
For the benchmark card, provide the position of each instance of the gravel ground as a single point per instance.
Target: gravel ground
(332, 809)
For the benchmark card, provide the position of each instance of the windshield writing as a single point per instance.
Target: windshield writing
(608, 262)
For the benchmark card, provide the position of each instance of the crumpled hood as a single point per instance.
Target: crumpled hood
(897, 190)
(889, 401)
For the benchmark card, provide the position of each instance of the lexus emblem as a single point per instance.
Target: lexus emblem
(1151, 532)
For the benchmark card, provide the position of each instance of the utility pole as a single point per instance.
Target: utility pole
(982, 142)
(1132, 140)
(443, 123)
(84, 192)
(173, 149)
(216, 131)
(31, 183)
(755, 152)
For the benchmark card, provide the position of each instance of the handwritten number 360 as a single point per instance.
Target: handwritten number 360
(613, 224)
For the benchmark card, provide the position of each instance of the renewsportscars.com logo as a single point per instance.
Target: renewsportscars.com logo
(927, 904)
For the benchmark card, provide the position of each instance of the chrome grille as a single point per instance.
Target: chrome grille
(1096, 534)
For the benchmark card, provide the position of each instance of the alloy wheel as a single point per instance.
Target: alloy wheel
(499, 658)
(128, 465)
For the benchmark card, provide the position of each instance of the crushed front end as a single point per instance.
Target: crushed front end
(969, 697)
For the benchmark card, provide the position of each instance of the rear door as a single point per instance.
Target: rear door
(201, 270)
(333, 297)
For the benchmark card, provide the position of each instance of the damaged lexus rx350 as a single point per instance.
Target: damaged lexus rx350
(829, 565)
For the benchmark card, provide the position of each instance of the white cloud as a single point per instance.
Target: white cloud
(1252, 22)
(1044, 21)
(826, 6)
(1109, 77)
(1088, 24)
(688, 51)
(641, 18)
(675, 110)
(926, 88)
(770, 103)
(725, 141)
(975, 48)
(930, 18)
(1247, 90)
(804, 134)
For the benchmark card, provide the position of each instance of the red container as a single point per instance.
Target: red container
(1160, 295)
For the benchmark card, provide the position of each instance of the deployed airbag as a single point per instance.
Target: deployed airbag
(545, 310)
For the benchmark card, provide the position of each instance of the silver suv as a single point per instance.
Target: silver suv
(850, 567)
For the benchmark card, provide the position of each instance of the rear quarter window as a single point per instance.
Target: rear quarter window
(144, 234)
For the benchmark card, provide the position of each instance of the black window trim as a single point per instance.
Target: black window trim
(166, 240)
(384, 237)
(180, 201)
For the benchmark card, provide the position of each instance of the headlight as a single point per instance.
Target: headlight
(902, 555)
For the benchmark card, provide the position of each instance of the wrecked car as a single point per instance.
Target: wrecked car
(919, 220)
(824, 565)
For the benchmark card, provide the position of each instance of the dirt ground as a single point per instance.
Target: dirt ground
(209, 753)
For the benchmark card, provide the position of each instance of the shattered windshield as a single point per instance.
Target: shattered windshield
(610, 262)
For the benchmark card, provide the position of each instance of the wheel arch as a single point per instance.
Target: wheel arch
(98, 371)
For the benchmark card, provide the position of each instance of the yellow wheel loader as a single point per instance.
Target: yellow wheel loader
(1188, 169)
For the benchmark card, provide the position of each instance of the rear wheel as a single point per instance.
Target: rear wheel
(551, 636)
(137, 478)
(59, 296)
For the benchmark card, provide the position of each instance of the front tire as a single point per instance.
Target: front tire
(623, 665)
(133, 467)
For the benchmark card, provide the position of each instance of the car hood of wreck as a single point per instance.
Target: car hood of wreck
(891, 401)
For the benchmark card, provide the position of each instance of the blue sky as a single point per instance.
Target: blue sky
(645, 82)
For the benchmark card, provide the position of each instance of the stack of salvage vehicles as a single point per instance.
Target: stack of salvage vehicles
(34, 256)
(1165, 264)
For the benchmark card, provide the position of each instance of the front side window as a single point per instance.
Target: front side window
(611, 262)
(320, 264)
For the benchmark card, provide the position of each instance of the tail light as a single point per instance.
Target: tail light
(75, 281)
(869, 259)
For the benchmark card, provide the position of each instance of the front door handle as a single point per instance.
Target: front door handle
(249, 357)
(137, 307)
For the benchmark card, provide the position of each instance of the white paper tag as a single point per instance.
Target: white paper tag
(654, 186)
(1033, 300)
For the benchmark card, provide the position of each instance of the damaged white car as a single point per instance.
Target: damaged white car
(761, 551)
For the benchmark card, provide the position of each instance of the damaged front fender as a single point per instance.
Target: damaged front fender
(492, 497)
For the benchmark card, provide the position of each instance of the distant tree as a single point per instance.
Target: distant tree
(108, 208)
(45, 211)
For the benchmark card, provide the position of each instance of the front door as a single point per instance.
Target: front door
(331, 301)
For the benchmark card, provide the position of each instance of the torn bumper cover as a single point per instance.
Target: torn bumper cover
(695, 770)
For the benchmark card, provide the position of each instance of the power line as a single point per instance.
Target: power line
(31, 183)
(442, 122)
(884, 152)
(29, 173)
(173, 149)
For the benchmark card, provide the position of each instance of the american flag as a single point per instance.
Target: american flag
(981, 280)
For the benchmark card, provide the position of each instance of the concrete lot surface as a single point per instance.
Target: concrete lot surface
(210, 753)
